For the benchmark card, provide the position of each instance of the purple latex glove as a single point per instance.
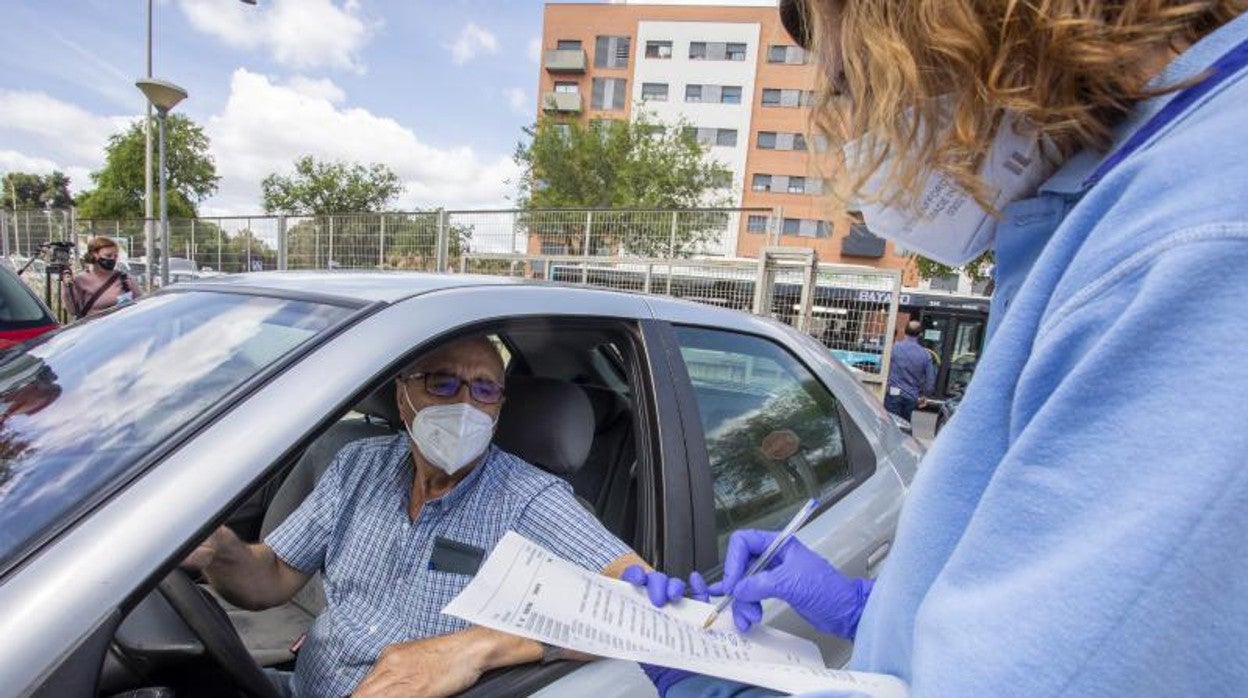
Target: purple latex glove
(827, 599)
(664, 678)
(663, 589)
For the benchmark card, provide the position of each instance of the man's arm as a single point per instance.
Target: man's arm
(249, 576)
(447, 664)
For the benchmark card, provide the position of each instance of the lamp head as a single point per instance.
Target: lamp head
(163, 95)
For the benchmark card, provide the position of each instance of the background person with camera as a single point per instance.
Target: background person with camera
(101, 285)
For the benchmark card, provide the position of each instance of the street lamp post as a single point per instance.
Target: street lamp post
(149, 243)
(163, 96)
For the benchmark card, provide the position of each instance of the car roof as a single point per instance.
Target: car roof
(360, 286)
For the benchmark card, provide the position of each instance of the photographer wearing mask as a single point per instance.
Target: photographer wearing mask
(1076, 529)
(102, 285)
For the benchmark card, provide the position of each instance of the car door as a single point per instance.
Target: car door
(769, 435)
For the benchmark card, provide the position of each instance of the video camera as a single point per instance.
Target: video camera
(60, 255)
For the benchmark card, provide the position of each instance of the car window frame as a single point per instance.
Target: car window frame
(859, 454)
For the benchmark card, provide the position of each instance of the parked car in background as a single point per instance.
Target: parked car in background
(23, 315)
(180, 269)
(227, 397)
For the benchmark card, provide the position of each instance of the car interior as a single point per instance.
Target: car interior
(572, 392)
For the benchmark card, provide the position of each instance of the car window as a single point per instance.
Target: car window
(773, 432)
(17, 305)
(78, 410)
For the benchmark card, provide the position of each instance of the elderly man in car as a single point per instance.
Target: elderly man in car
(390, 525)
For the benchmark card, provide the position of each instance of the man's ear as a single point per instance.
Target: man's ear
(399, 387)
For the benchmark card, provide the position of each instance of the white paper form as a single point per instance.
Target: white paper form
(526, 590)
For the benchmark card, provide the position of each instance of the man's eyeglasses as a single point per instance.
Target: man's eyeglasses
(446, 385)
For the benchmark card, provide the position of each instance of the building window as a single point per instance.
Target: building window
(611, 52)
(567, 87)
(654, 91)
(822, 229)
(564, 130)
(693, 93)
(726, 137)
(945, 282)
(658, 49)
(797, 185)
(722, 179)
(761, 182)
(791, 226)
(655, 130)
(716, 51)
(767, 140)
(608, 93)
(799, 142)
(730, 94)
(773, 97)
(756, 224)
(790, 55)
(568, 45)
(554, 247)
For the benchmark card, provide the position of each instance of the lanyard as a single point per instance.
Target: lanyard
(1227, 66)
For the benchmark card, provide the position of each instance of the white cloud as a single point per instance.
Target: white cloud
(64, 129)
(13, 161)
(323, 88)
(535, 49)
(517, 100)
(255, 135)
(472, 42)
(300, 34)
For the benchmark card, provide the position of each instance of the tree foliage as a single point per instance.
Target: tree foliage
(616, 164)
(119, 187)
(323, 188)
(35, 191)
(977, 269)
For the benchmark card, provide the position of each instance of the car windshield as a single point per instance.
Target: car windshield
(80, 410)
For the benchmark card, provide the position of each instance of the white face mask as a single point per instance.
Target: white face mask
(450, 436)
(945, 223)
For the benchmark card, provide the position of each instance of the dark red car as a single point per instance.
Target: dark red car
(23, 315)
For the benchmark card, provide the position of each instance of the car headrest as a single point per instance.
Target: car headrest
(547, 422)
(381, 404)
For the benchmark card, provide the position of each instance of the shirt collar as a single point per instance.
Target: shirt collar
(1071, 176)
(407, 468)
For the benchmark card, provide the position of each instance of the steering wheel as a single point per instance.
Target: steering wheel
(209, 622)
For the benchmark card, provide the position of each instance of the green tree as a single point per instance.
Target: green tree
(119, 188)
(977, 269)
(323, 188)
(616, 164)
(35, 191)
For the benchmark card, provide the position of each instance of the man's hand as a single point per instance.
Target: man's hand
(435, 666)
(203, 555)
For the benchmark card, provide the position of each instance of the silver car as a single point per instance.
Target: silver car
(125, 439)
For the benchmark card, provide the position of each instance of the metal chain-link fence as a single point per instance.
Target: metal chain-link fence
(681, 253)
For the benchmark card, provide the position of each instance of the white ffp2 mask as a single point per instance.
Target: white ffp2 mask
(945, 223)
(451, 436)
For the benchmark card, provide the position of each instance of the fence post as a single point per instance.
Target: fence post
(329, 260)
(649, 272)
(282, 248)
(671, 240)
(4, 233)
(381, 244)
(589, 225)
(190, 244)
(441, 250)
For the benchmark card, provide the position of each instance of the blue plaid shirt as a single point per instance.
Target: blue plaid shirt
(354, 528)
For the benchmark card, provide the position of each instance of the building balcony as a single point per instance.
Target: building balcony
(565, 61)
(564, 102)
(861, 243)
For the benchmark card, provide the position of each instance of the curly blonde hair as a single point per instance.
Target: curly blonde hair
(1072, 68)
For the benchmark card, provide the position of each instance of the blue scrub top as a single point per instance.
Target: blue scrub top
(1078, 527)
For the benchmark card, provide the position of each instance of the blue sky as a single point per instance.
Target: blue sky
(437, 90)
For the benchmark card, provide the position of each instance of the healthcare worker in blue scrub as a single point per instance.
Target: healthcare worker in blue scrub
(1078, 529)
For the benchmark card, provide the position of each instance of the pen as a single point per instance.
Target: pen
(769, 552)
